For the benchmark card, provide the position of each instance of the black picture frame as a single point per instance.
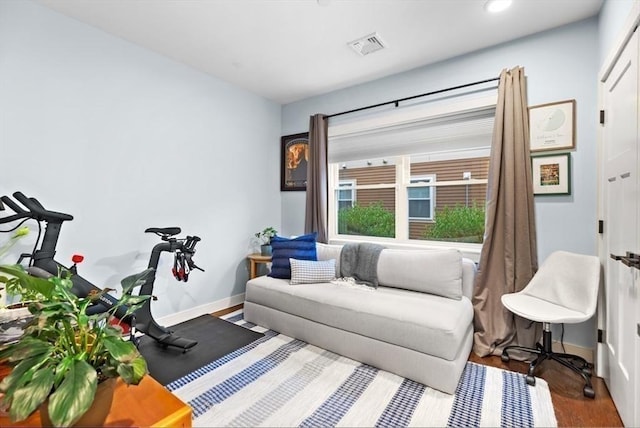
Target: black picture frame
(293, 162)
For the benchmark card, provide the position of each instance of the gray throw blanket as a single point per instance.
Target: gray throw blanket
(360, 262)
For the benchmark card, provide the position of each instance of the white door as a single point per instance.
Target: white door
(621, 233)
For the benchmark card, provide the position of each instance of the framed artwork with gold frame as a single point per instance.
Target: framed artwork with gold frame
(552, 126)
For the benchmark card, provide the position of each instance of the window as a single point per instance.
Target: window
(420, 174)
(346, 194)
(421, 199)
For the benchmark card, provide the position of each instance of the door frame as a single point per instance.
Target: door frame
(633, 20)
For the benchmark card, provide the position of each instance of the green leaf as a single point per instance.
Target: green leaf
(119, 349)
(27, 399)
(129, 299)
(23, 373)
(31, 283)
(136, 280)
(27, 348)
(133, 372)
(62, 368)
(75, 394)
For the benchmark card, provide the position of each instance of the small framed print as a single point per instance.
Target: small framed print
(551, 174)
(552, 126)
(294, 158)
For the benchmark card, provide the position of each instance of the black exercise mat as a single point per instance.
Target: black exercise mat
(215, 337)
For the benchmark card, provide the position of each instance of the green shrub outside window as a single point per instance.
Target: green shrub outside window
(459, 223)
(372, 220)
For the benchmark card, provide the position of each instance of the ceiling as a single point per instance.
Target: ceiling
(287, 50)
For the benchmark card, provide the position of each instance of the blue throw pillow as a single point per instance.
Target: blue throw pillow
(301, 248)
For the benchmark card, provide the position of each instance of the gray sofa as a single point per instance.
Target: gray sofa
(418, 323)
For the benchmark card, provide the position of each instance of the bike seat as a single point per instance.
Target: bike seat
(167, 231)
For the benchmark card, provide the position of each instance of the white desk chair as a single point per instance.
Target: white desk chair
(564, 290)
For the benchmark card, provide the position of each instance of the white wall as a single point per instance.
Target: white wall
(125, 139)
(560, 64)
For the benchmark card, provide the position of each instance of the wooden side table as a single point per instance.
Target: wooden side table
(254, 260)
(148, 404)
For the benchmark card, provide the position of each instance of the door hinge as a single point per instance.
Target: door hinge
(601, 117)
(600, 226)
(600, 336)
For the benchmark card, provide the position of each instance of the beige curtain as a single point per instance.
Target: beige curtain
(509, 255)
(316, 205)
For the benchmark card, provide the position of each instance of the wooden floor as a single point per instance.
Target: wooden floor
(572, 408)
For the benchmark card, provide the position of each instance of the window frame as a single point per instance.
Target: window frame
(380, 121)
(416, 182)
(352, 188)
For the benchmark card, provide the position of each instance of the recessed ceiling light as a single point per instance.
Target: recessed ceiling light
(495, 6)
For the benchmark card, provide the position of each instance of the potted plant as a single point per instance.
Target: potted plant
(64, 354)
(264, 239)
(13, 289)
(14, 313)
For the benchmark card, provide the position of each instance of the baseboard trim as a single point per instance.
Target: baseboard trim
(208, 308)
(586, 353)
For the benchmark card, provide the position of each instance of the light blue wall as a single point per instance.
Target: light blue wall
(612, 17)
(125, 139)
(560, 64)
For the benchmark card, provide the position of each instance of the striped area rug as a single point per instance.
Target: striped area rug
(278, 381)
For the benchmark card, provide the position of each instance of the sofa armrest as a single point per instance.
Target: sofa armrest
(469, 271)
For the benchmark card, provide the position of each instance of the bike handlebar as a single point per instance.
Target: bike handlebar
(19, 212)
(12, 205)
(35, 210)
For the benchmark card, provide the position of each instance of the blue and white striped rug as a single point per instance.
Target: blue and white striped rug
(278, 381)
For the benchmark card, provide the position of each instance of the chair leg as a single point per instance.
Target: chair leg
(544, 352)
(583, 370)
(572, 359)
(505, 351)
(541, 356)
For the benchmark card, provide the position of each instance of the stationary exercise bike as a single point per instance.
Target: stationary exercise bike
(42, 263)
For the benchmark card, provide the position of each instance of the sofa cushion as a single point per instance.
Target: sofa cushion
(419, 321)
(302, 248)
(309, 271)
(436, 272)
(328, 252)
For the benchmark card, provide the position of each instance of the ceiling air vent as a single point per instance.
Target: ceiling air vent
(367, 44)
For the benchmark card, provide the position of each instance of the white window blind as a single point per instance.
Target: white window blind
(466, 124)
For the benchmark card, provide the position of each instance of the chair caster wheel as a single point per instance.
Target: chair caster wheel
(531, 380)
(504, 357)
(589, 392)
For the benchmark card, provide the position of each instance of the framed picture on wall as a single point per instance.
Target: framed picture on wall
(551, 174)
(552, 126)
(294, 158)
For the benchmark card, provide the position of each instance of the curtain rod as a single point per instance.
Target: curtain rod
(413, 97)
